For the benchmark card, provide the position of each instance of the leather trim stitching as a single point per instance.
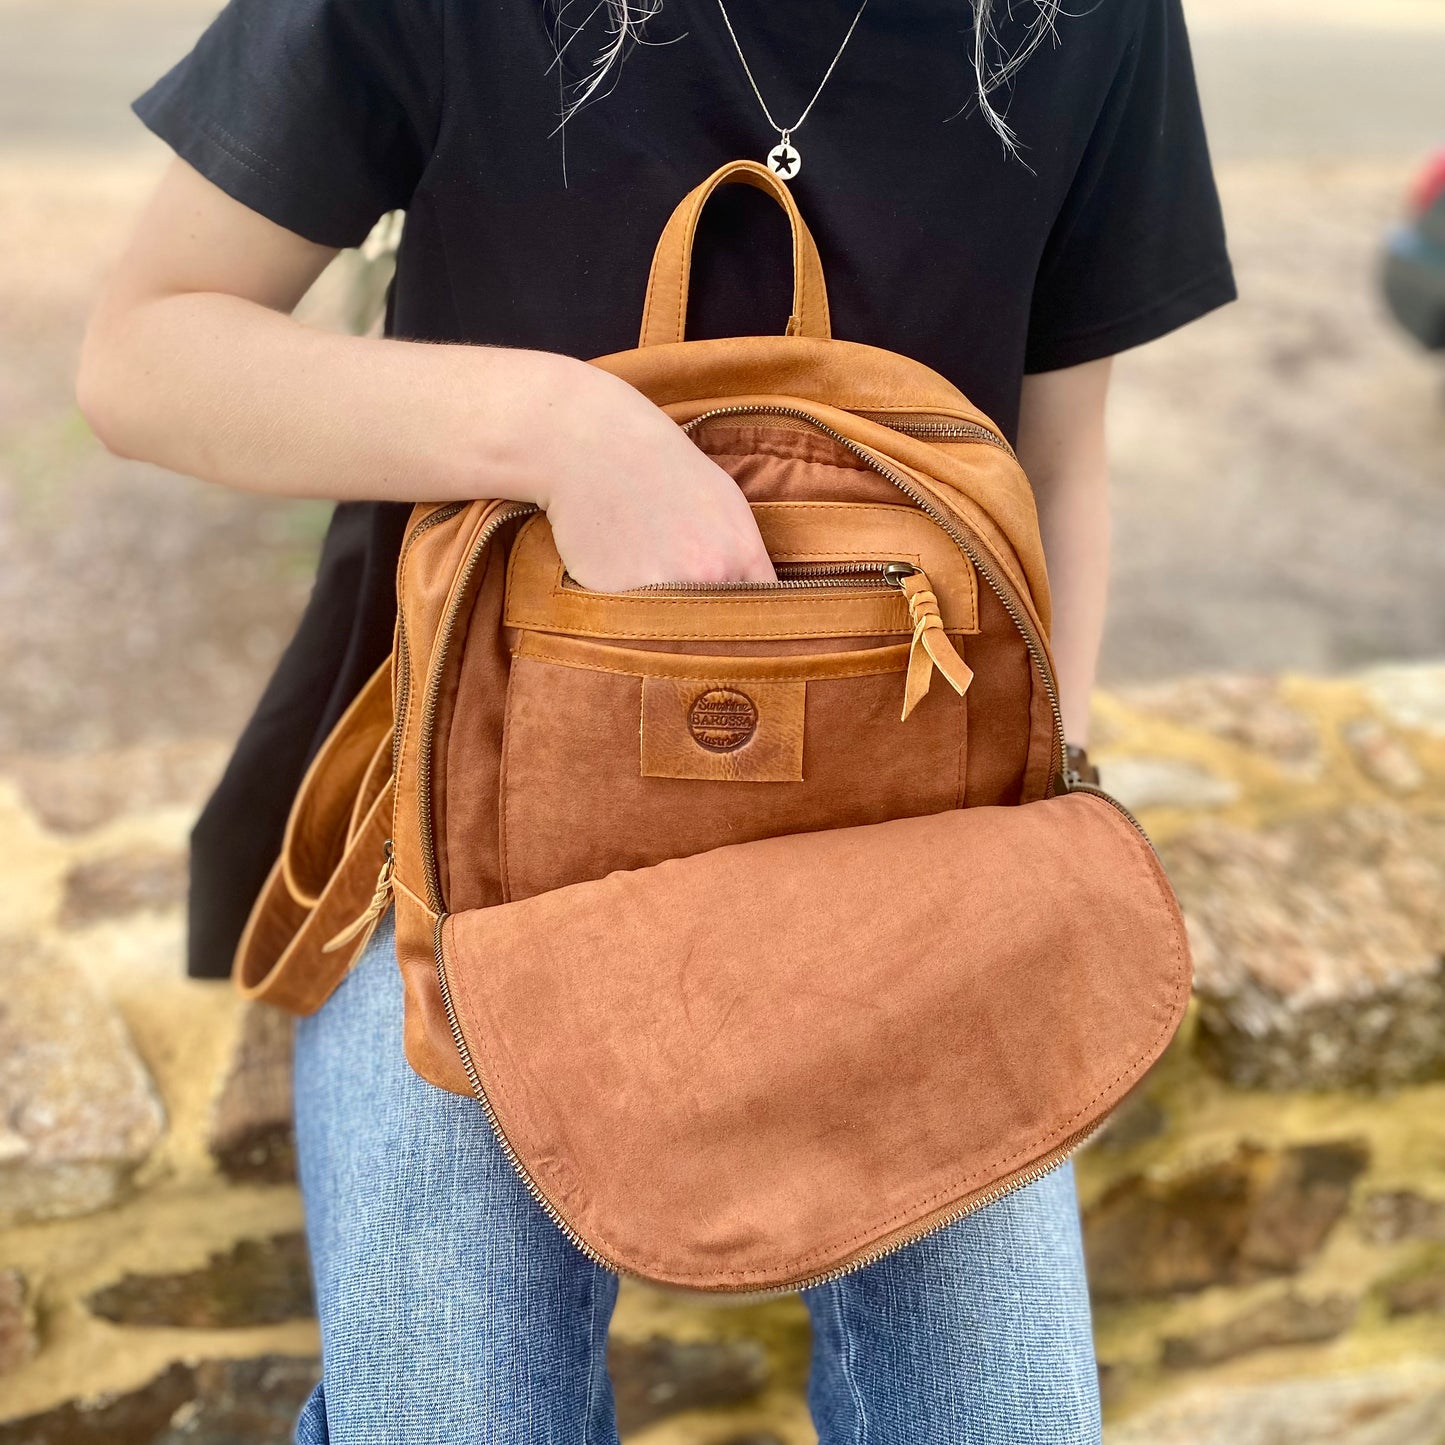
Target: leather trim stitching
(875, 667)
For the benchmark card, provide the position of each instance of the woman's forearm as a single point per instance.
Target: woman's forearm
(1074, 522)
(223, 388)
(194, 361)
(1062, 447)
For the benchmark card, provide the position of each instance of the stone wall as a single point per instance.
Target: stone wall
(1265, 1218)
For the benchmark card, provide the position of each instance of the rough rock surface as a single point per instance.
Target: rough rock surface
(255, 1282)
(1257, 1213)
(17, 1328)
(78, 1112)
(1319, 947)
(1410, 695)
(1382, 756)
(1396, 1214)
(1143, 782)
(250, 1134)
(1419, 1289)
(659, 1376)
(1404, 1406)
(1137, 1119)
(1287, 1319)
(73, 792)
(214, 1402)
(102, 888)
(1241, 708)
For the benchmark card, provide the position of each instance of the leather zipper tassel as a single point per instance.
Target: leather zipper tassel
(380, 897)
(931, 646)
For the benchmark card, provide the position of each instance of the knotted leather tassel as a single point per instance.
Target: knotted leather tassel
(367, 921)
(931, 646)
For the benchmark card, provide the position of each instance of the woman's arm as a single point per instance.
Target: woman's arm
(1061, 446)
(192, 361)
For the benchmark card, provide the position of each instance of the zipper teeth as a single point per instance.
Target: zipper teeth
(403, 650)
(801, 576)
(1034, 1171)
(433, 692)
(962, 535)
(1078, 785)
(474, 1080)
(1045, 1164)
(938, 427)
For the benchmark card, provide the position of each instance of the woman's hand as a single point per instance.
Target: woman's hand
(631, 500)
(193, 362)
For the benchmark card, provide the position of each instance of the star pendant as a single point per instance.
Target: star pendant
(784, 161)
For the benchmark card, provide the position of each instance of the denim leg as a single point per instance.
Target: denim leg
(978, 1335)
(453, 1311)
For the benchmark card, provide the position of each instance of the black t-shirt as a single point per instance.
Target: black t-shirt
(324, 114)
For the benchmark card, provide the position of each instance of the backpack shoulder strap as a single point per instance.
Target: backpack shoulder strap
(335, 857)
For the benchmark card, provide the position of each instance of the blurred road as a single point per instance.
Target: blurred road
(1333, 80)
(1279, 473)
(69, 68)
(1319, 91)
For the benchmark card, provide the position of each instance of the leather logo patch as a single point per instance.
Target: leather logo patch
(722, 728)
(722, 720)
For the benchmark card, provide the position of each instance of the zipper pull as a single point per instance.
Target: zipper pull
(380, 897)
(931, 646)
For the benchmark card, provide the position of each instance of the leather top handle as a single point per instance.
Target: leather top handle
(664, 317)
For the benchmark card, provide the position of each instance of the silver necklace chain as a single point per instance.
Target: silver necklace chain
(783, 159)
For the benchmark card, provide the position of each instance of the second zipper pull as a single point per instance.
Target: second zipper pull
(380, 898)
(931, 647)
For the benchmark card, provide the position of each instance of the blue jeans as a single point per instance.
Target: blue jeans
(453, 1312)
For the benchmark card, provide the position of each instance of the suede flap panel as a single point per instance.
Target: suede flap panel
(746, 1068)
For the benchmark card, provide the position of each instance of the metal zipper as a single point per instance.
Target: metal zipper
(1041, 1166)
(792, 576)
(937, 426)
(433, 692)
(1077, 785)
(403, 652)
(961, 533)
(522, 1172)
(1044, 1164)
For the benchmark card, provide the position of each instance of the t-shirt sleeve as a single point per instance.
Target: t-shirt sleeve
(1138, 246)
(319, 114)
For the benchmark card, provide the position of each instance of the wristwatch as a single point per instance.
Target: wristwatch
(1079, 763)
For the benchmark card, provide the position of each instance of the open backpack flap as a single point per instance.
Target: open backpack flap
(766, 921)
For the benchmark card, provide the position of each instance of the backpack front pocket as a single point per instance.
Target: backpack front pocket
(668, 720)
(618, 757)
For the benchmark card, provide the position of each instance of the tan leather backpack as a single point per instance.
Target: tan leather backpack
(765, 949)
